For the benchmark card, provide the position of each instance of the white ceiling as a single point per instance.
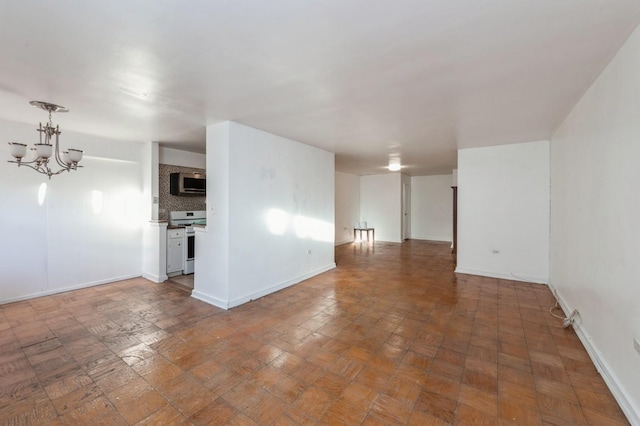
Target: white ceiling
(365, 79)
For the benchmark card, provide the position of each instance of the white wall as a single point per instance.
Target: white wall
(88, 229)
(595, 221)
(177, 157)
(211, 265)
(154, 234)
(503, 211)
(347, 206)
(381, 205)
(150, 178)
(432, 208)
(274, 199)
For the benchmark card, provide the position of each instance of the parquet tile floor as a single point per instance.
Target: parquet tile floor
(391, 336)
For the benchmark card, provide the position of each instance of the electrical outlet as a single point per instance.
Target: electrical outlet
(636, 345)
(308, 251)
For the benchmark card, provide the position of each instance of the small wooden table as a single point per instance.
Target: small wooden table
(373, 233)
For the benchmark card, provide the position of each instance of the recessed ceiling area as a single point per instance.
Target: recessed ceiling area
(367, 80)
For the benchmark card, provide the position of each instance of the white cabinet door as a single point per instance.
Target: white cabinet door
(175, 250)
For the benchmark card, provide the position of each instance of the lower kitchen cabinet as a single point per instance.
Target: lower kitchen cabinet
(175, 250)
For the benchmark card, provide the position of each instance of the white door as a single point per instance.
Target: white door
(406, 208)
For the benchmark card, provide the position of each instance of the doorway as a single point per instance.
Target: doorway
(406, 211)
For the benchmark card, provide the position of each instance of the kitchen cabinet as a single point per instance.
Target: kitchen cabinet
(175, 250)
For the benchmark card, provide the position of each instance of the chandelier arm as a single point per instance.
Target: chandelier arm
(38, 169)
(61, 163)
(45, 170)
(58, 172)
(22, 163)
(42, 167)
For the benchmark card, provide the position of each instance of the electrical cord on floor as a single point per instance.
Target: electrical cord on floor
(557, 306)
(566, 321)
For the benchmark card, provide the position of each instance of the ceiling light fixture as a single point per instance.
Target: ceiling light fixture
(394, 164)
(67, 160)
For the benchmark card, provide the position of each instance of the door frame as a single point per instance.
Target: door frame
(406, 211)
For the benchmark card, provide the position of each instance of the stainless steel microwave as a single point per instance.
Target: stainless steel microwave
(188, 184)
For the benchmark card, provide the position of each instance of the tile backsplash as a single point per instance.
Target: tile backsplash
(168, 202)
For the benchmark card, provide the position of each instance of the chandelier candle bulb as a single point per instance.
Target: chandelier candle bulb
(18, 150)
(75, 155)
(44, 150)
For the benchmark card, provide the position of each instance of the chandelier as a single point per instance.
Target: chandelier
(66, 160)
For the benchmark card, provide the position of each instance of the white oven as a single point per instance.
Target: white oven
(188, 219)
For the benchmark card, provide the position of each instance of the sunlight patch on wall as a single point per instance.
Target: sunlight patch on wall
(42, 193)
(96, 201)
(317, 230)
(278, 221)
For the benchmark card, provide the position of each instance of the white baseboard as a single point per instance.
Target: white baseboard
(502, 275)
(343, 242)
(628, 407)
(258, 294)
(155, 278)
(219, 303)
(432, 238)
(65, 289)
